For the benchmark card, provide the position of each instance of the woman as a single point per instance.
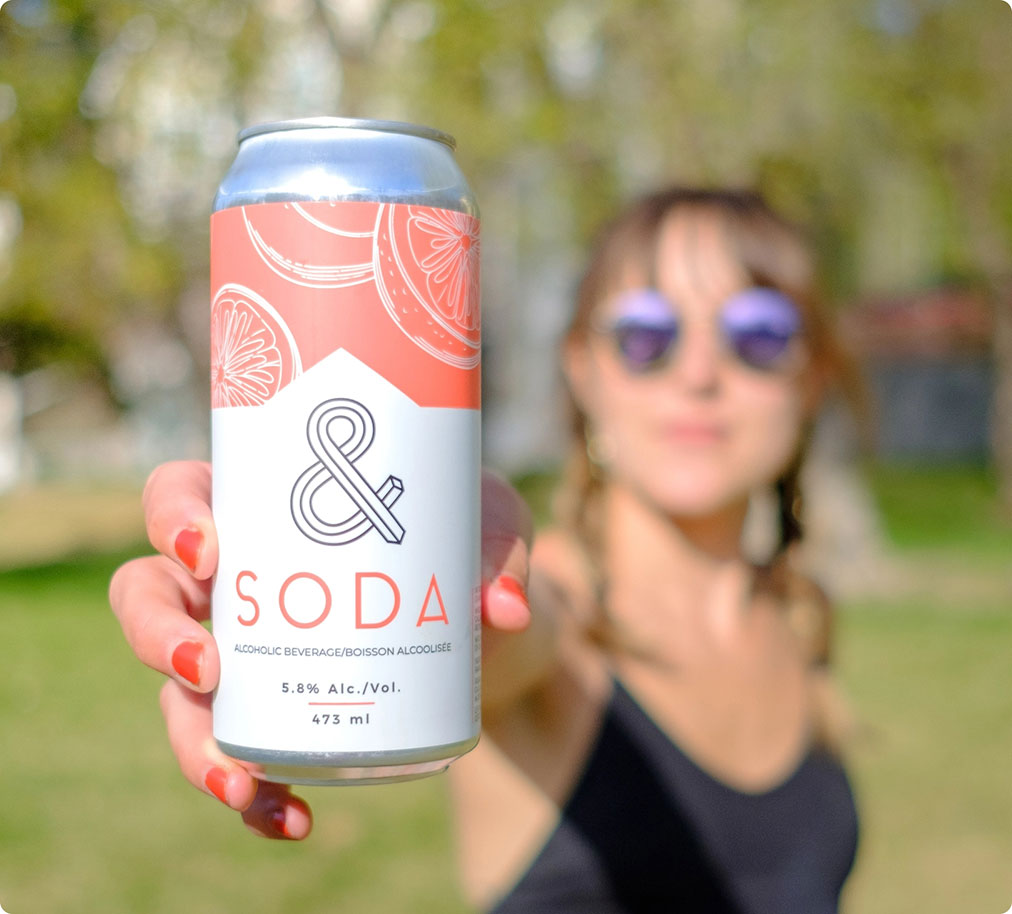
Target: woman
(658, 727)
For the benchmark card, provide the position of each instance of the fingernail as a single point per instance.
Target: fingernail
(511, 585)
(279, 822)
(215, 780)
(188, 545)
(187, 659)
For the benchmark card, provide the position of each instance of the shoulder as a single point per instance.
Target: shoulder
(809, 612)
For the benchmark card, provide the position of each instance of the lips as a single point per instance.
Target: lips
(694, 432)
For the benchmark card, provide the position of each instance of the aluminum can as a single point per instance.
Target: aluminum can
(345, 359)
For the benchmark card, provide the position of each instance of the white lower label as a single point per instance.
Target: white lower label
(346, 602)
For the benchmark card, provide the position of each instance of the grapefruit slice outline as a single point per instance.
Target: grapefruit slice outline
(427, 273)
(276, 233)
(253, 353)
(446, 245)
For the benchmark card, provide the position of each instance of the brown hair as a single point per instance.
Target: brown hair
(773, 254)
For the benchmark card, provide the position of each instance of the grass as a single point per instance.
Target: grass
(951, 508)
(931, 682)
(932, 689)
(45, 524)
(96, 817)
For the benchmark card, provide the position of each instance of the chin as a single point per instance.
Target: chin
(700, 510)
(693, 487)
(697, 502)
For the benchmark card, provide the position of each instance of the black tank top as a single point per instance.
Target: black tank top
(647, 830)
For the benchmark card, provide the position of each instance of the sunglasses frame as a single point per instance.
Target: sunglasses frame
(614, 327)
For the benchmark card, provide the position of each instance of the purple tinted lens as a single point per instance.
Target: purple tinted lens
(760, 325)
(643, 345)
(644, 329)
(760, 348)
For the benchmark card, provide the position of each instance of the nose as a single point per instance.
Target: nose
(699, 358)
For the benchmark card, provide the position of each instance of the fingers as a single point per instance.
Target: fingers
(160, 602)
(275, 813)
(507, 529)
(267, 809)
(188, 722)
(177, 510)
(159, 607)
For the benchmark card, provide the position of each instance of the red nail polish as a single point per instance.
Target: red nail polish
(188, 546)
(279, 823)
(215, 780)
(187, 659)
(512, 585)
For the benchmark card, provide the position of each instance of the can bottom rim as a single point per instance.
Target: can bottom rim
(345, 768)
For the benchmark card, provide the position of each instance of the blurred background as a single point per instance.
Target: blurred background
(884, 126)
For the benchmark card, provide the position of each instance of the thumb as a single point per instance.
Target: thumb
(507, 530)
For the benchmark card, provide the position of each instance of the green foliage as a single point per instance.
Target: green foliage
(818, 104)
(537, 488)
(949, 508)
(28, 342)
(76, 267)
(881, 125)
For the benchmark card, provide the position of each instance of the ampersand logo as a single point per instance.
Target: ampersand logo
(335, 465)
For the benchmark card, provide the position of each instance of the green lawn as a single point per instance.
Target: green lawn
(932, 764)
(95, 816)
(941, 507)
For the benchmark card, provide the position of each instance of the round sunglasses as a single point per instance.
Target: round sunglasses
(758, 325)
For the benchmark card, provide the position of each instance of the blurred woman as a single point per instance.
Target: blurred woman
(659, 732)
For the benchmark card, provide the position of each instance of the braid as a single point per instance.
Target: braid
(577, 508)
(789, 503)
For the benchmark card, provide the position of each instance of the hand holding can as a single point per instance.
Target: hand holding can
(161, 600)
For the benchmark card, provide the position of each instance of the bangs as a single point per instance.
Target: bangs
(771, 252)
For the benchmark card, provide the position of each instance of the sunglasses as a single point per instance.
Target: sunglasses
(758, 326)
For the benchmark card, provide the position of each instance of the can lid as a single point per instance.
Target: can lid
(350, 123)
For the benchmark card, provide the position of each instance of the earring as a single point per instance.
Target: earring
(600, 451)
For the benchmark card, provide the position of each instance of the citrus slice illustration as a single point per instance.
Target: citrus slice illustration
(427, 272)
(339, 234)
(253, 354)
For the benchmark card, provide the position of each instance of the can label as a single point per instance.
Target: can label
(345, 438)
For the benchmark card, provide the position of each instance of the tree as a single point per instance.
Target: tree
(881, 125)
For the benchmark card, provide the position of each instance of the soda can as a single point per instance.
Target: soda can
(345, 394)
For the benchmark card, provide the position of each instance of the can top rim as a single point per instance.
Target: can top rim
(350, 123)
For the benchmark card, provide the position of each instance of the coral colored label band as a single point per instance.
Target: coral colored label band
(395, 285)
